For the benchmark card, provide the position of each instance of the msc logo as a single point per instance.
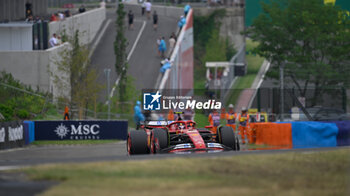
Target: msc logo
(151, 101)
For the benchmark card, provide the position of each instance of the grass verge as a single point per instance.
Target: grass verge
(71, 142)
(313, 173)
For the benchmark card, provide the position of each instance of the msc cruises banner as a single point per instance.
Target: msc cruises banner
(80, 130)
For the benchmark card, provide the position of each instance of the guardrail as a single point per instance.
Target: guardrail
(171, 78)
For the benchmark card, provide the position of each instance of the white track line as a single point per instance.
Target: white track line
(128, 57)
(5, 168)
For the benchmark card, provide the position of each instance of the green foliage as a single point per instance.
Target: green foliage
(23, 114)
(7, 112)
(120, 45)
(313, 38)
(215, 49)
(76, 68)
(208, 45)
(19, 101)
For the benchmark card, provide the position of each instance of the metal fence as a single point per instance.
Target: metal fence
(269, 100)
(222, 84)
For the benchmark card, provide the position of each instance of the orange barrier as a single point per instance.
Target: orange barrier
(271, 134)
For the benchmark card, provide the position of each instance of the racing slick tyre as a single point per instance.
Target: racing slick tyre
(226, 137)
(137, 142)
(159, 140)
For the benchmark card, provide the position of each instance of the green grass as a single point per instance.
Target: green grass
(312, 173)
(201, 120)
(254, 63)
(71, 142)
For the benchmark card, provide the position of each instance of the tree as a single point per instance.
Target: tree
(120, 44)
(74, 62)
(312, 40)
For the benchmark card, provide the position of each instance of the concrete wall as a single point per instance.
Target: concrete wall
(15, 36)
(173, 12)
(30, 67)
(36, 68)
(15, 9)
(88, 24)
(231, 25)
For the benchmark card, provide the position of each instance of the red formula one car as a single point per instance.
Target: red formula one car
(179, 137)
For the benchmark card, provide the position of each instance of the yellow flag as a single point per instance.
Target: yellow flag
(329, 1)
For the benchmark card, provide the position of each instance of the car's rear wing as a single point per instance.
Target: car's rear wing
(157, 123)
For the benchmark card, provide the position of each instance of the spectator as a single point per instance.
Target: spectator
(60, 15)
(67, 13)
(103, 3)
(131, 20)
(59, 40)
(174, 36)
(162, 47)
(82, 9)
(29, 18)
(187, 9)
(181, 22)
(138, 116)
(166, 65)
(155, 20)
(158, 45)
(143, 6)
(172, 43)
(53, 17)
(148, 9)
(53, 41)
(37, 19)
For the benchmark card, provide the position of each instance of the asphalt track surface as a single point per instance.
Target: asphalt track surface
(35, 155)
(144, 62)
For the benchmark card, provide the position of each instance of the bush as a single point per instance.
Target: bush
(23, 114)
(7, 112)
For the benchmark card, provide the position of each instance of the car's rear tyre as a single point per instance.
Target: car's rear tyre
(137, 142)
(226, 136)
(159, 140)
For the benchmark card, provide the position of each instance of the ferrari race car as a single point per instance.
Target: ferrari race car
(180, 137)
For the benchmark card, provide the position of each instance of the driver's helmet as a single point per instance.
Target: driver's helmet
(181, 126)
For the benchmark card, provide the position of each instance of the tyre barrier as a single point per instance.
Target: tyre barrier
(301, 134)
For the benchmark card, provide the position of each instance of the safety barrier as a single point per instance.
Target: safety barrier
(29, 135)
(180, 75)
(11, 135)
(272, 134)
(17, 134)
(81, 130)
(301, 134)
